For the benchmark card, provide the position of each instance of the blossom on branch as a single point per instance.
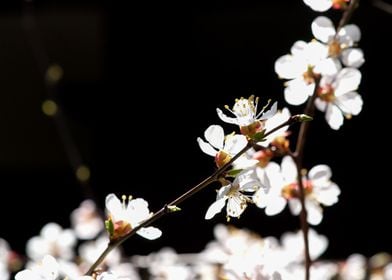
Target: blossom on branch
(247, 116)
(128, 214)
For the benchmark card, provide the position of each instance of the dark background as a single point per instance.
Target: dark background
(141, 83)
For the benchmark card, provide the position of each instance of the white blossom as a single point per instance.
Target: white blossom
(53, 240)
(86, 221)
(126, 215)
(234, 195)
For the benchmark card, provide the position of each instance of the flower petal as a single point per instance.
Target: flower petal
(137, 211)
(350, 103)
(113, 205)
(298, 47)
(320, 172)
(215, 208)
(206, 147)
(352, 57)
(295, 206)
(289, 170)
(319, 5)
(215, 135)
(235, 143)
(27, 275)
(320, 104)
(149, 233)
(271, 112)
(289, 67)
(225, 118)
(349, 34)
(323, 29)
(347, 80)
(329, 66)
(236, 205)
(328, 195)
(275, 205)
(315, 212)
(334, 116)
(297, 91)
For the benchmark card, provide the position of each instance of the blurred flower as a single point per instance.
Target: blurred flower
(324, 5)
(354, 268)
(86, 221)
(54, 241)
(47, 269)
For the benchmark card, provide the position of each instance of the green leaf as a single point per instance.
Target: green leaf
(109, 227)
(173, 208)
(259, 136)
(233, 172)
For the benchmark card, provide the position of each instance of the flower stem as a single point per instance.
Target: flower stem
(166, 208)
(347, 14)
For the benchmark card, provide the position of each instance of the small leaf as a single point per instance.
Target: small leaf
(173, 208)
(233, 172)
(259, 136)
(304, 118)
(109, 227)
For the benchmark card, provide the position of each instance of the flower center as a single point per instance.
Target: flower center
(263, 156)
(309, 76)
(339, 4)
(221, 158)
(326, 93)
(334, 48)
(292, 190)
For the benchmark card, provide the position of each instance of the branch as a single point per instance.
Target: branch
(166, 209)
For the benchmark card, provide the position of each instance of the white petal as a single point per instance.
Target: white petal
(347, 80)
(350, 103)
(271, 112)
(315, 52)
(320, 172)
(215, 208)
(247, 180)
(295, 206)
(323, 29)
(328, 195)
(215, 135)
(289, 67)
(353, 57)
(298, 48)
(150, 233)
(329, 66)
(289, 170)
(273, 122)
(27, 275)
(315, 212)
(350, 34)
(297, 91)
(137, 211)
(319, 5)
(234, 144)
(236, 205)
(275, 206)
(113, 205)
(320, 104)
(51, 231)
(206, 147)
(317, 244)
(334, 117)
(225, 118)
(50, 267)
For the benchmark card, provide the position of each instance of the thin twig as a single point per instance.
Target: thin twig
(166, 209)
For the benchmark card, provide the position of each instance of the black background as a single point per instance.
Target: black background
(141, 83)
